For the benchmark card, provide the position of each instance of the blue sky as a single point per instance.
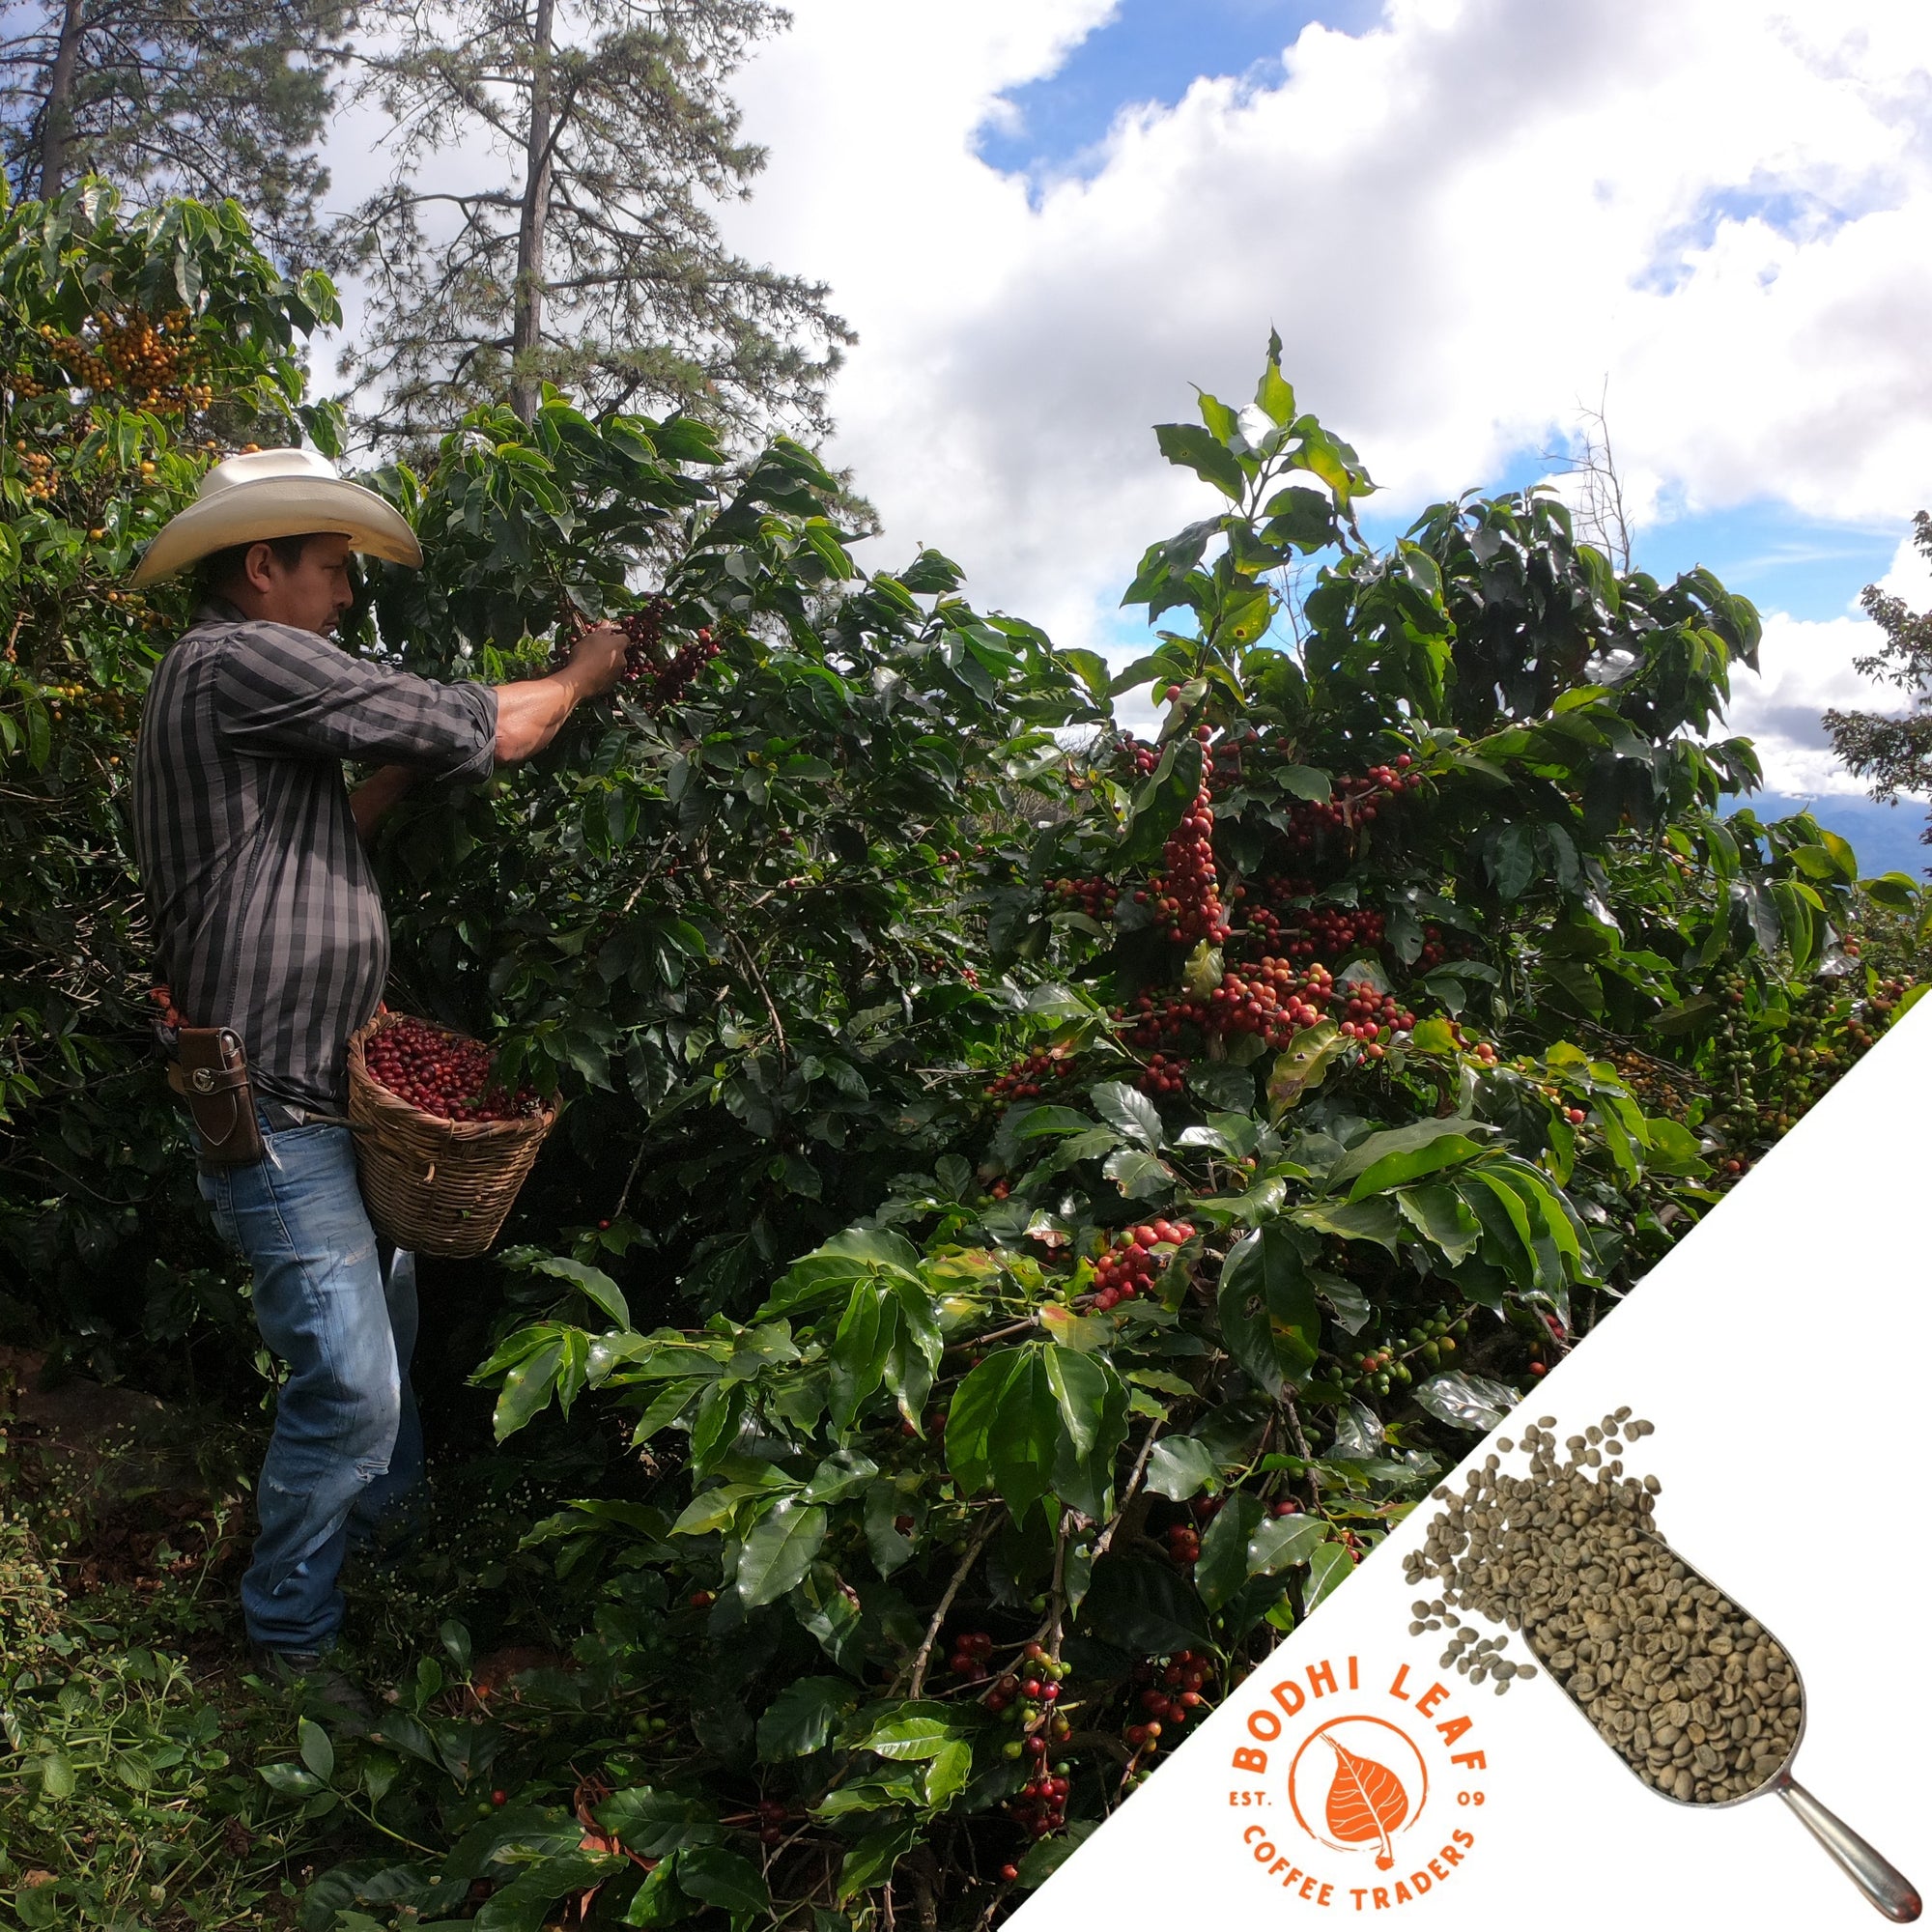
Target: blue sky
(1152, 50)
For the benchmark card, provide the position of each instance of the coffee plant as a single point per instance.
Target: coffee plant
(134, 349)
(1307, 1083)
(747, 901)
(1031, 1205)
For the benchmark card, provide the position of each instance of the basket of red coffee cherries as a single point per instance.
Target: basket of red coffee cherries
(440, 1149)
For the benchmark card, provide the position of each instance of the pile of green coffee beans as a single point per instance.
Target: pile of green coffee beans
(1699, 1700)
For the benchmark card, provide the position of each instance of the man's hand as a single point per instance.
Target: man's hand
(531, 714)
(370, 802)
(598, 658)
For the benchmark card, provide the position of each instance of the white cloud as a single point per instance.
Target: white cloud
(1910, 576)
(1807, 668)
(1461, 221)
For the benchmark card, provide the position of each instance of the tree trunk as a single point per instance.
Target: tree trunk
(59, 121)
(527, 328)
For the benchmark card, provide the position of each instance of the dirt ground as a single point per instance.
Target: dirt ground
(143, 1511)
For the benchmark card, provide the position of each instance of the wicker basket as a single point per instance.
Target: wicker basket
(430, 1186)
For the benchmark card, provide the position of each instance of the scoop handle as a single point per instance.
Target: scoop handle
(1882, 1882)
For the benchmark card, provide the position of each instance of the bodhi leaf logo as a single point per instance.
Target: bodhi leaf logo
(1356, 1784)
(1366, 1801)
(1359, 1785)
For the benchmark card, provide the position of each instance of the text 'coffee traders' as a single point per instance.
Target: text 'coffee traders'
(1359, 1783)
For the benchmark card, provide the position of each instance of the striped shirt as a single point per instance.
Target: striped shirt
(264, 910)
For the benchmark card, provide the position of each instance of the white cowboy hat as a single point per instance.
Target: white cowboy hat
(277, 493)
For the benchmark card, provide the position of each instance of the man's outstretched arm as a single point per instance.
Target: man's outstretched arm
(528, 715)
(531, 713)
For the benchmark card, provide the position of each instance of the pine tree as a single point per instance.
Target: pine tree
(205, 98)
(1893, 753)
(583, 252)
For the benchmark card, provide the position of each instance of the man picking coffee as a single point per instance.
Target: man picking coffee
(271, 933)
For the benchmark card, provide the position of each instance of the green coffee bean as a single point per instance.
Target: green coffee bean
(1701, 1702)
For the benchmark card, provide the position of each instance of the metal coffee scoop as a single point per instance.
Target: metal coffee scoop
(1881, 1881)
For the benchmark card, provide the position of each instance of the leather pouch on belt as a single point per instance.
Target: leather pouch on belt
(212, 1074)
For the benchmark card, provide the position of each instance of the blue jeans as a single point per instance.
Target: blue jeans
(340, 1309)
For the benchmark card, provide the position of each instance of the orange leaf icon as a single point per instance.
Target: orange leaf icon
(1366, 1803)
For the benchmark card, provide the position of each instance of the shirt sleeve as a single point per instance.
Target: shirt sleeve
(285, 692)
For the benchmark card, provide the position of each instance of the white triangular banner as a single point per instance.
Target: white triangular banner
(1781, 1350)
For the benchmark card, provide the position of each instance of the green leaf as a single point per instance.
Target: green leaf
(41, 1907)
(1002, 1431)
(949, 1772)
(1273, 396)
(1432, 1037)
(659, 1900)
(1142, 1607)
(1283, 1540)
(654, 1822)
(1391, 1159)
(1896, 889)
(716, 1508)
(724, 1879)
(1223, 1565)
(1040, 1121)
(524, 1904)
(591, 1282)
(905, 1732)
(1140, 1176)
(1328, 1569)
(885, 1503)
(872, 1794)
(1222, 1085)
(1465, 1401)
(454, 1637)
(529, 1386)
(1076, 1147)
(827, 1609)
(1269, 1319)
(1193, 447)
(1157, 807)
(870, 1860)
(665, 1408)
(1684, 1015)
(1093, 1410)
(1080, 1387)
(839, 1476)
(1047, 1856)
(1305, 782)
(317, 1752)
(1129, 1110)
(970, 1418)
(1372, 1220)
(1304, 1065)
(802, 1717)
(1441, 1216)
(1180, 1468)
(859, 1347)
(916, 1348)
(778, 1552)
(285, 1780)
